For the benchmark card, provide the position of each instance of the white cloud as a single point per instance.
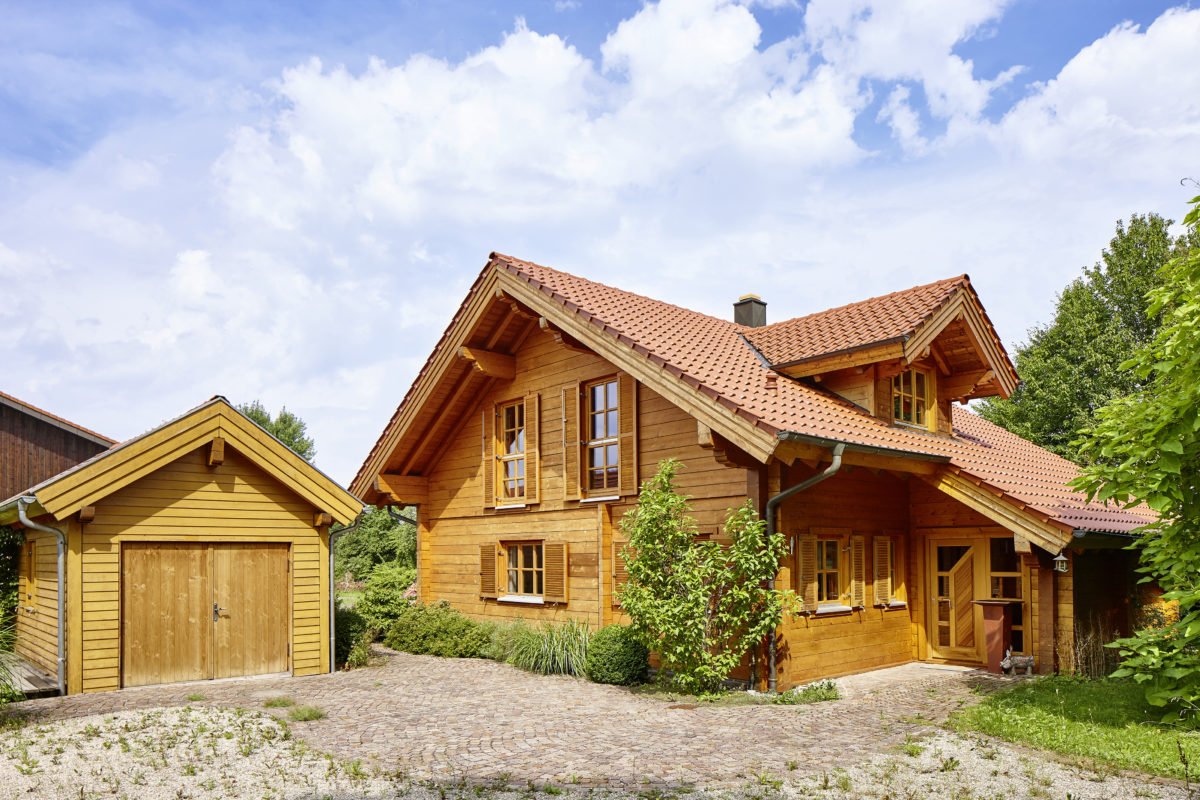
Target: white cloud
(304, 240)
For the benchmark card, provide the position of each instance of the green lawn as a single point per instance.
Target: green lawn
(1104, 721)
(348, 598)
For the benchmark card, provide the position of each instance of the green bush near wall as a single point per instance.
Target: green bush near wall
(616, 656)
(438, 630)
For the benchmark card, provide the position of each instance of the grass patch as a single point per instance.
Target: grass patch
(1106, 721)
(818, 692)
(279, 702)
(195, 697)
(305, 714)
(349, 598)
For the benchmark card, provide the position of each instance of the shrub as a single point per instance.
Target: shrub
(615, 655)
(438, 630)
(504, 640)
(349, 626)
(552, 649)
(383, 599)
(360, 653)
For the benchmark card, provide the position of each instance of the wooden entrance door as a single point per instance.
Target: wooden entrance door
(194, 611)
(955, 572)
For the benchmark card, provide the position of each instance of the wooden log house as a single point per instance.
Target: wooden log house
(549, 397)
(195, 551)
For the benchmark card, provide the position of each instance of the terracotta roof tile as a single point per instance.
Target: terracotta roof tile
(713, 356)
(100, 438)
(892, 317)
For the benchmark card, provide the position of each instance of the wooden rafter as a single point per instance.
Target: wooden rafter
(490, 363)
(464, 383)
(562, 338)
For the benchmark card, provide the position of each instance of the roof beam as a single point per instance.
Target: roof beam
(405, 490)
(490, 363)
(447, 407)
(560, 337)
(963, 385)
(1000, 509)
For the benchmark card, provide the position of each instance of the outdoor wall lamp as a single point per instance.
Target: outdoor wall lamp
(1060, 562)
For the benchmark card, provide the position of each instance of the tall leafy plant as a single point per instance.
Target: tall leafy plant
(1148, 450)
(701, 605)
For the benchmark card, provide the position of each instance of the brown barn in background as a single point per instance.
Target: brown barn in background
(35, 444)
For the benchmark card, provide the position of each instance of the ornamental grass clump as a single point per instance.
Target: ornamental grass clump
(551, 649)
(700, 605)
(616, 656)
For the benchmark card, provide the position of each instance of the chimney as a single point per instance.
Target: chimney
(750, 310)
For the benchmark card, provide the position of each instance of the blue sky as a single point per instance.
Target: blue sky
(249, 199)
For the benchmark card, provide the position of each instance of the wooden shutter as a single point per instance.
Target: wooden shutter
(571, 443)
(858, 572)
(533, 418)
(620, 571)
(883, 570)
(489, 456)
(554, 562)
(487, 570)
(627, 424)
(806, 571)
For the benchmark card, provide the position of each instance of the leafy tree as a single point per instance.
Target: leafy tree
(699, 604)
(378, 539)
(285, 426)
(1071, 367)
(1146, 448)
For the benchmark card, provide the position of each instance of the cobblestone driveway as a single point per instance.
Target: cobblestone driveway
(448, 719)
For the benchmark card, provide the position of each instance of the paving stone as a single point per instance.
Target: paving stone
(479, 720)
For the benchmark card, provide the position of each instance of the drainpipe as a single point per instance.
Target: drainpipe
(333, 537)
(61, 539)
(773, 509)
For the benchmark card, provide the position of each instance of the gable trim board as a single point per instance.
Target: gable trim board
(258, 502)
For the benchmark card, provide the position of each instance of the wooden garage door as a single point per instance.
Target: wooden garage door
(192, 611)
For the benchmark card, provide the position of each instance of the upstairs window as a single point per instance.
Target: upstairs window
(910, 398)
(511, 460)
(602, 448)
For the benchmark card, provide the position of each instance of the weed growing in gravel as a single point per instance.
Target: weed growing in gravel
(279, 702)
(818, 692)
(305, 714)
(196, 697)
(911, 748)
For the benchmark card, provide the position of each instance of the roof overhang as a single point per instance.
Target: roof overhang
(1001, 508)
(804, 447)
(58, 422)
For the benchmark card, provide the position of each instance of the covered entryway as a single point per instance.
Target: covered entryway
(196, 610)
(955, 572)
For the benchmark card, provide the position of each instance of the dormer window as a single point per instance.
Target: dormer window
(910, 398)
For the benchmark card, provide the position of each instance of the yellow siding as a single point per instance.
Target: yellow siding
(187, 500)
(37, 606)
(454, 522)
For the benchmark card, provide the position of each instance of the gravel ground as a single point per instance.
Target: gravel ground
(206, 753)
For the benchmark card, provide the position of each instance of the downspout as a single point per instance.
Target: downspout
(772, 510)
(61, 539)
(333, 537)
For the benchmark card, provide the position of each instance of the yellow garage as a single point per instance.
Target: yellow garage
(197, 551)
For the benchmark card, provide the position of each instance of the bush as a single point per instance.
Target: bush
(438, 630)
(348, 627)
(616, 656)
(552, 649)
(383, 599)
(360, 652)
(504, 640)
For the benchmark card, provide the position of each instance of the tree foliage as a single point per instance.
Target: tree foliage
(1072, 366)
(285, 426)
(700, 605)
(1146, 448)
(378, 539)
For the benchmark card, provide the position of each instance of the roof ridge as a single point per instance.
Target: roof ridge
(517, 262)
(963, 278)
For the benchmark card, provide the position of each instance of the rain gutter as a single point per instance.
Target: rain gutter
(22, 504)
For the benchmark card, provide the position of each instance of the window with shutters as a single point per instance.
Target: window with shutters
(525, 571)
(831, 571)
(510, 460)
(602, 448)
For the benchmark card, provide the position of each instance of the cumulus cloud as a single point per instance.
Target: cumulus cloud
(303, 237)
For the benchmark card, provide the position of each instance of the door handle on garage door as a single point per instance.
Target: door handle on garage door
(217, 611)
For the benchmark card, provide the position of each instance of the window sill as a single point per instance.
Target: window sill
(893, 605)
(521, 599)
(606, 499)
(823, 610)
(512, 506)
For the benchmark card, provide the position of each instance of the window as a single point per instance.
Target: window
(602, 449)
(532, 572)
(526, 570)
(511, 459)
(831, 570)
(910, 397)
(829, 581)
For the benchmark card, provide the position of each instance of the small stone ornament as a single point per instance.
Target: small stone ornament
(1012, 664)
